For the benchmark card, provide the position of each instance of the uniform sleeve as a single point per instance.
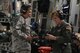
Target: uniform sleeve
(18, 29)
(65, 35)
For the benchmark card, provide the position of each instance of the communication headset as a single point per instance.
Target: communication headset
(24, 8)
(61, 15)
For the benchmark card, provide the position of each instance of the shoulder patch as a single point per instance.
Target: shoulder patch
(68, 27)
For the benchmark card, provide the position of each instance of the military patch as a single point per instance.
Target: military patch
(68, 28)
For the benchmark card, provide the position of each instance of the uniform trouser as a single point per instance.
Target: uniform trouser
(68, 49)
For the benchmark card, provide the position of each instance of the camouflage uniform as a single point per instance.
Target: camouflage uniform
(21, 45)
(62, 44)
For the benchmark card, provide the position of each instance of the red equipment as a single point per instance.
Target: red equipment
(44, 49)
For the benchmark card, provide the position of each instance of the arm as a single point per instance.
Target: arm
(65, 35)
(18, 30)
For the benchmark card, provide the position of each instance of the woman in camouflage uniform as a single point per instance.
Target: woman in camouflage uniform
(22, 38)
(60, 35)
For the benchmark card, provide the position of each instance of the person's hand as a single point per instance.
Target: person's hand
(50, 37)
(34, 37)
(28, 38)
